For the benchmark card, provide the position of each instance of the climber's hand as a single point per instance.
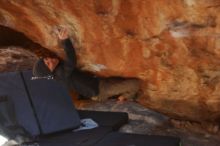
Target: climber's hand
(62, 33)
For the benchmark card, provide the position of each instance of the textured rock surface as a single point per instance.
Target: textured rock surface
(173, 46)
(16, 59)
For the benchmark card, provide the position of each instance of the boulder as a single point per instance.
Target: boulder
(172, 46)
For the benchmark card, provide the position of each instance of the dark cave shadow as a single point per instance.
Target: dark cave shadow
(11, 37)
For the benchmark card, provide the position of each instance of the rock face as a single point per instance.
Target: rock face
(172, 46)
(16, 59)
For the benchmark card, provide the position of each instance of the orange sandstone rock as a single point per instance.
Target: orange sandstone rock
(173, 46)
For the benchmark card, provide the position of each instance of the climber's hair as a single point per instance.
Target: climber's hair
(50, 55)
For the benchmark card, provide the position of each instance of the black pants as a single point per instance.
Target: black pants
(9, 126)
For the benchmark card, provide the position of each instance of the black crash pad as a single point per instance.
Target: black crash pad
(79, 138)
(110, 119)
(11, 85)
(52, 103)
(123, 139)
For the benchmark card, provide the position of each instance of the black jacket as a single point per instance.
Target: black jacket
(66, 72)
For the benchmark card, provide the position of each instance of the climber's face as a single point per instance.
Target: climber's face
(51, 63)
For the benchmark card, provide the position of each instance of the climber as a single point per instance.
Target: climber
(87, 85)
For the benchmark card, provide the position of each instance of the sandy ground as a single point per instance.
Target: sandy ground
(145, 121)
